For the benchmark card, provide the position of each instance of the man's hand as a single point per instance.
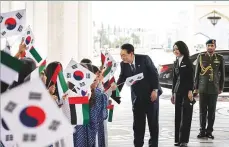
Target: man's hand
(153, 96)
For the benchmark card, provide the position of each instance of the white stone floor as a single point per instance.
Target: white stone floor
(121, 135)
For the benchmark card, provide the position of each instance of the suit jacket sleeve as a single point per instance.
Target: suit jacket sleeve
(190, 75)
(153, 78)
(197, 72)
(174, 77)
(222, 72)
(122, 77)
(120, 82)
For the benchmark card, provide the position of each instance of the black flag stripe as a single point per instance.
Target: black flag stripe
(73, 114)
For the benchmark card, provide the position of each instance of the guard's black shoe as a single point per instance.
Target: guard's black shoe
(201, 135)
(209, 135)
(176, 144)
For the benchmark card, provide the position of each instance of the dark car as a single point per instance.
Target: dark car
(166, 75)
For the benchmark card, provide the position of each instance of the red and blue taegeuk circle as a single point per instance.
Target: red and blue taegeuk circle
(78, 75)
(83, 93)
(28, 40)
(32, 116)
(10, 23)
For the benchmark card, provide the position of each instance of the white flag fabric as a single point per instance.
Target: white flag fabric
(132, 80)
(81, 77)
(28, 38)
(34, 116)
(7, 137)
(12, 23)
(7, 48)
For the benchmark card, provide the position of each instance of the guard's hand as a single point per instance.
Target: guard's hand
(173, 99)
(220, 91)
(153, 96)
(190, 96)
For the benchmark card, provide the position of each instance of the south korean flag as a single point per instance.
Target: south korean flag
(34, 116)
(12, 23)
(28, 38)
(81, 77)
(7, 137)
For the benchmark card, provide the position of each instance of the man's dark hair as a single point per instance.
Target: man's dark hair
(86, 61)
(183, 48)
(128, 47)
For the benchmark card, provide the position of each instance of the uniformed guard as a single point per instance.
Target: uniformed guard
(209, 82)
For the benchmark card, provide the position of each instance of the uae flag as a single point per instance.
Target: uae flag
(58, 78)
(12, 23)
(110, 115)
(108, 85)
(79, 109)
(10, 67)
(32, 52)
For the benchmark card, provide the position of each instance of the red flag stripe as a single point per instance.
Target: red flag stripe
(78, 100)
(43, 63)
(112, 80)
(110, 107)
(102, 58)
(109, 64)
(55, 74)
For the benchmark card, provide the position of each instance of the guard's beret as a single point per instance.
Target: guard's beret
(211, 41)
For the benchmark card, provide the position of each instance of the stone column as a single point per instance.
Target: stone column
(85, 38)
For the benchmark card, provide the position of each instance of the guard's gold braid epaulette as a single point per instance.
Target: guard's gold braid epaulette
(203, 69)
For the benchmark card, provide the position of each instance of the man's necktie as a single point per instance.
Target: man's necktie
(133, 68)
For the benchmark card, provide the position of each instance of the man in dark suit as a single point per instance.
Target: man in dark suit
(144, 94)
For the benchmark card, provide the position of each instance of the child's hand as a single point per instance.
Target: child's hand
(113, 86)
(65, 96)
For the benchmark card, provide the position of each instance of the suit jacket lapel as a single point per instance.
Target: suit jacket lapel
(137, 64)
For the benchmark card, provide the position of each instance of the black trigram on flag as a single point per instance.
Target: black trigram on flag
(29, 137)
(3, 33)
(20, 28)
(9, 137)
(34, 96)
(18, 15)
(1, 18)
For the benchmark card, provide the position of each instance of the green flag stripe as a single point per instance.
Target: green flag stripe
(85, 109)
(11, 62)
(117, 92)
(107, 71)
(62, 82)
(41, 68)
(110, 115)
(35, 54)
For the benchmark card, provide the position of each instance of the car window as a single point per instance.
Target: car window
(226, 58)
